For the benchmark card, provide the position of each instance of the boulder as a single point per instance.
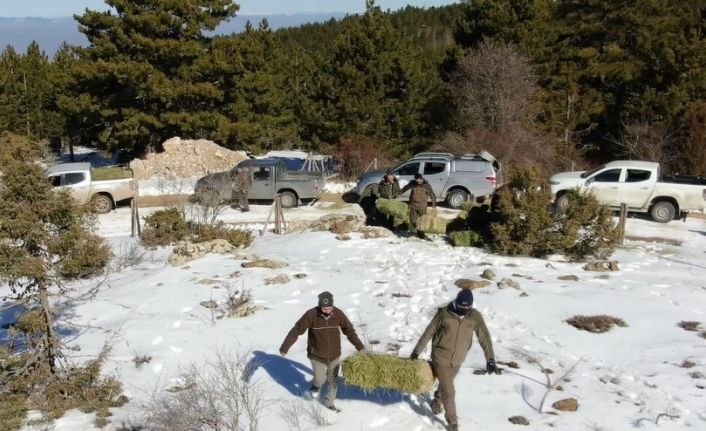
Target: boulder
(264, 263)
(518, 420)
(465, 283)
(184, 158)
(370, 232)
(279, 279)
(187, 251)
(508, 283)
(566, 405)
(209, 304)
(568, 278)
(349, 222)
(602, 266)
(488, 274)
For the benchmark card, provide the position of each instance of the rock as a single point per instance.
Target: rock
(209, 304)
(300, 276)
(549, 266)
(185, 159)
(602, 266)
(465, 283)
(696, 375)
(279, 279)
(370, 232)
(508, 283)
(603, 277)
(342, 237)
(568, 278)
(488, 274)
(344, 222)
(511, 265)
(524, 295)
(519, 420)
(566, 405)
(187, 251)
(264, 263)
(342, 227)
(485, 264)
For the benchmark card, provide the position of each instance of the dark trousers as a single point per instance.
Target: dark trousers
(414, 214)
(446, 392)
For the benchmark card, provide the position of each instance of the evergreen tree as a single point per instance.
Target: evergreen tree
(139, 80)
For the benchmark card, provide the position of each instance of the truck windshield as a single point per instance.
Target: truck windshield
(589, 173)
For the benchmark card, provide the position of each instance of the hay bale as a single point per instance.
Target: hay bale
(396, 209)
(382, 371)
(466, 238)
(432, 223)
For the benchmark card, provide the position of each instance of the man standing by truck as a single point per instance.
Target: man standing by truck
(241, 188)
(324, 324)
(421, 193)
(388, 188)
(451, 333)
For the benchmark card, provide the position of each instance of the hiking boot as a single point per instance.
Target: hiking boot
(333, 408)
(436, 407)
(314, 389)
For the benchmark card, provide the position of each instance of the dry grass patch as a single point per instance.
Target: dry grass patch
(596, 324)
(689, 325)
(382, 371)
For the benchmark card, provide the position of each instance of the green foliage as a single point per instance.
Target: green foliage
(586, 228)
(392, 207)
(523, 216)
(54, 393)
(466, 238)
(236, 237)
(165, 227)
(525, 225)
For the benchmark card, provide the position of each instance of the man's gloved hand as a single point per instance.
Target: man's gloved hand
(414, 356)
(492, 368)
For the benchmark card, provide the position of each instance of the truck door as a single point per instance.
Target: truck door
(636, 187)
(78, 184)
(437, 174)
(263, 182)
(405, 174)
(605, 185)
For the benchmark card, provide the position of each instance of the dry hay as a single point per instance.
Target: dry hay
(596, 324)
(432, 223)
(383, 371)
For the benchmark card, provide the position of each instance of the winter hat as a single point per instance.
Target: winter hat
(464, 298)
(418, 176)
(325, 299)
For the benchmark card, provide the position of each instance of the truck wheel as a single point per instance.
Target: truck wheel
(289, 199)
(456, 198)
(561, 204)
(663, 212)
(101, 204)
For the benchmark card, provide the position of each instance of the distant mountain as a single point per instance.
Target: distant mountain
(51, 32)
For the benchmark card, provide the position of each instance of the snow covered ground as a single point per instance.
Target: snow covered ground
(624, 380)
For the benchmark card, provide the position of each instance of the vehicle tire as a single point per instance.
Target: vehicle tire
(663, 212)
(561, 204)
(101, 204)
(289, 200)
(456, 198)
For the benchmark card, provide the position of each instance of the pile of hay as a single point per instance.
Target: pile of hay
(382, 371)
(391, 207)
(432, 223)
(466, 238)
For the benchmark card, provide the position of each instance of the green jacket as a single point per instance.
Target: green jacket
(451, 336)
(382, 190)
(420, 195)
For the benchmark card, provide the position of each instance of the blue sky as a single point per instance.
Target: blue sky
(59, 8)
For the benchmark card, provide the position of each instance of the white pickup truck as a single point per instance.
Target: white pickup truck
(637, 184)
(101, 195)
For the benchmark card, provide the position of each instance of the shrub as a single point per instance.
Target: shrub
(236, 237)
(165, 227)
(88, 257)
(466, 238)
(585, 229)
(596, 324)
(523, 216)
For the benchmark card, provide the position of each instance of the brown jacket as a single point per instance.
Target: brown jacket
(420, 194)
(324, 338)
(452, 336)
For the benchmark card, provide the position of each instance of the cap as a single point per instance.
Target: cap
(418, 176)
(464, 298)
(325, 299)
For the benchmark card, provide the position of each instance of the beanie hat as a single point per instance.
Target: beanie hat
(325, 299)
(464, 298)
(418, 176)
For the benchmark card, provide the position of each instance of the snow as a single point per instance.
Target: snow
(160, 186)
(623, 375)
(338, 188)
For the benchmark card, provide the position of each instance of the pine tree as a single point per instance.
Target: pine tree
(139, 82)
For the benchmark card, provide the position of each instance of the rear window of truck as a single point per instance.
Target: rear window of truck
(471, 166)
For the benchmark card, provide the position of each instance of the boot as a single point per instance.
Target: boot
(436, 407)
(453, 427)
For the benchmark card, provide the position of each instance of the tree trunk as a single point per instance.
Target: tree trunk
(51, 341)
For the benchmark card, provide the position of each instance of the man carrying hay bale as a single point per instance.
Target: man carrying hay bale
(388, 188)
(241, 189)
(421, 193)
(324, 324)
(451, 333)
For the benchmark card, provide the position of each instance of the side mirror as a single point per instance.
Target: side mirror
(588, 182)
